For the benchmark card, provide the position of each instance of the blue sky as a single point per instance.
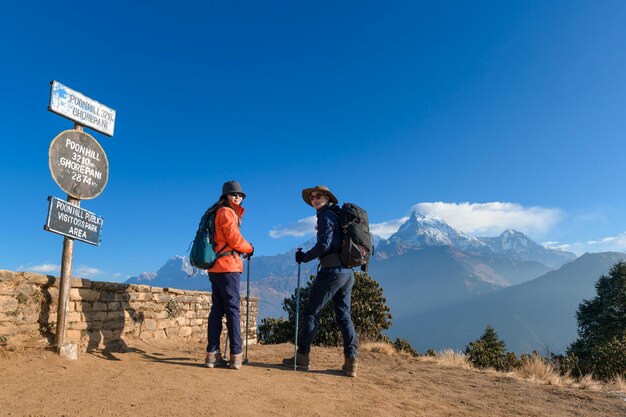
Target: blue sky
(488, 114)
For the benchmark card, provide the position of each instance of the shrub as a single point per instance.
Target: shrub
(510, 361)
(370, 315)
(21, 298)
(403, 345)
(608, 360)
(488, 351)
(273, 331)
(172, 308)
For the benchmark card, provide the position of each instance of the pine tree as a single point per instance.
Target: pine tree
(600, 347)
(488, 351)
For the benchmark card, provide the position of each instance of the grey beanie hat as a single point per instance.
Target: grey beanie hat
(231, 187)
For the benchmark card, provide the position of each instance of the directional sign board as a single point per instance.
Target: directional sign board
(82, 109)
(78, 164)
(72, 221)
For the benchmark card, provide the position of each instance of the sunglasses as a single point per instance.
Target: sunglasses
(236, 195)
(316, 196)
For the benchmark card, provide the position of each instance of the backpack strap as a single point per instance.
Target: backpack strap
(211, 231)
(332, 250)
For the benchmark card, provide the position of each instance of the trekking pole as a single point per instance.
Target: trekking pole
(295, 347)
(245, 361)
(226, 344)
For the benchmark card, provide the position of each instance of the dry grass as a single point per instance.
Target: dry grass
(587, 382)
(618, 384)
(449, 357)
(537, 370)
(379, 347)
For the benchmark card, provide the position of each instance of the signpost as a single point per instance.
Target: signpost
(72, 221)
(80, 167)
(81, 109)
(78, 164)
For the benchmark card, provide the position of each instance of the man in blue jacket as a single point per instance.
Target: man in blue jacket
(333, 282)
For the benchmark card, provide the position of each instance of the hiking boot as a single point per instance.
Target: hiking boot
(214, 360)
(236, 360)
(350, 366)
(302, 362)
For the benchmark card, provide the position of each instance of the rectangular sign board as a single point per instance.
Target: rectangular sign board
(72, 221)
(80, 108)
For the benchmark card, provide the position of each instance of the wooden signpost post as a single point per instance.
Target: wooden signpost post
(79, 166)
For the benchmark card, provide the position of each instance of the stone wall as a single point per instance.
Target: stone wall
(105, 314)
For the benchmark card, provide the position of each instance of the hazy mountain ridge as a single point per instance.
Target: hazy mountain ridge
(537, 315)
(177, 272)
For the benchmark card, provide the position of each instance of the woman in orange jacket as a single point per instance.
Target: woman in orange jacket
(225, 276)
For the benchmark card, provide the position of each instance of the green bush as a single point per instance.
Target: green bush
(608, 360)
(275, 330)
(510, 362)
(172, 308)
(602, 328)
(403, 345)
(370, 315)
(488, 351)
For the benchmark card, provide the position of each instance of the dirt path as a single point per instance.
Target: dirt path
(162, 380)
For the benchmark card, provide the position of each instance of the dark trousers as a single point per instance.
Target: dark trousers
(225, 299)
(330, 284)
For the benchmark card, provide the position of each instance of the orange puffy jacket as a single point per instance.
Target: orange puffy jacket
(227, 233)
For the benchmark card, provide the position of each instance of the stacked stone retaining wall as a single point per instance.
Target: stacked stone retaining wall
(106, 314)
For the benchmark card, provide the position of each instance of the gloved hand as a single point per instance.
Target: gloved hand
(299, 256)
(249, 254)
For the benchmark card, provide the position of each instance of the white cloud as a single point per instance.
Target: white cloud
(86, 272)
(79, 271)
(606, 244)
(42, 269)
(491, 219)
(479, 219)
(302, 227)
(388, 228)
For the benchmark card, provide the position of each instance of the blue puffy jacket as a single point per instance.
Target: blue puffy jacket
(328, 238)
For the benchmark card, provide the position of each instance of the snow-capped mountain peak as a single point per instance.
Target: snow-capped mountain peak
(519, 246)
(420, 231)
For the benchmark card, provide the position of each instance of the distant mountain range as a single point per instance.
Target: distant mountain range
(536, 315)
(517, 245)
(426, 266)
(420, 231)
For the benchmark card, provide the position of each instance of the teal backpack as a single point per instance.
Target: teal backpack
(202, 254)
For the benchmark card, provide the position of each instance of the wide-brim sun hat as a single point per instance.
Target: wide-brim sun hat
(306, 194)
(231, 187)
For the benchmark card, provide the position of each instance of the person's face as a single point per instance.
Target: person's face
(318, 199)
(235, 199)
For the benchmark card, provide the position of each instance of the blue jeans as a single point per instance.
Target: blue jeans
(225, 299)
(330, 284)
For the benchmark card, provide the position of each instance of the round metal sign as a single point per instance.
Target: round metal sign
(78, 164)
